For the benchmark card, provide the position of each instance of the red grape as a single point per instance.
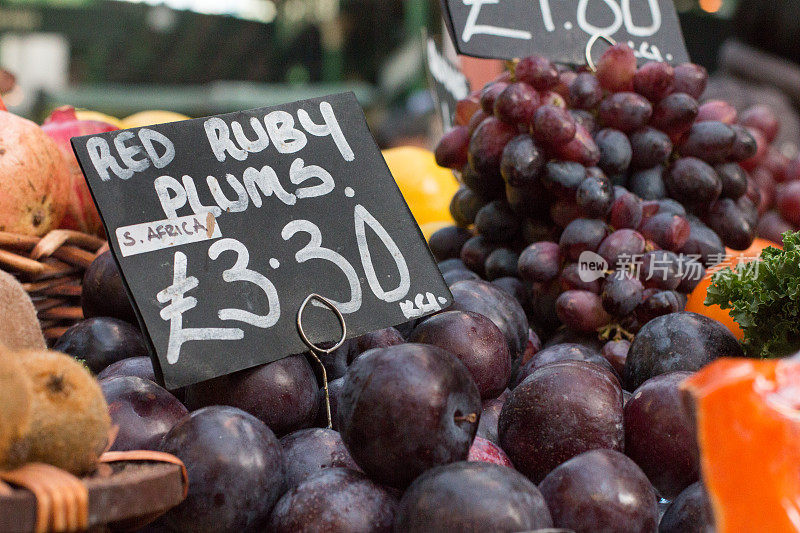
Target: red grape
(581, 148)
(585, 119)
(710, 141)
(565, 80)
(489, 94)
(660, 269)
(745, 146)
(622, 243)
(564, 212)
(616, 68)
(497, 222)
(734, 226)
(581, 310)
(690, 79)
(585, 91)
(703, 242)
(615, 353)
(464, 206)
(552, 98)
(667, 230)
(625, 111)
(487, 186)
(693, 273)
(772, 226)
(787, 201)
(615, 150)
(570, 280)
(594, 196)
(474, 253)
(776, 163)
(622, 293)
(675, 114)
(762, 118)
(760, 152)
(466, 108)
(648, 184)
(562, 178)
(693, 182)
(650, 147)
(476, 120)
(514, 287)
(662, 205)
(654, 80)
(521, 161)
(626, 211)
(501, 263)
(717, 110)
(580, 235)
(553, 125)
(538, 230)
(539, 262)
(734, 179)
(517, 103)
(487, 144)
(451, 152)
(530, 199)
(658, 304)
(446, 243)
(538, 71)
(753, 193)
(792, 171)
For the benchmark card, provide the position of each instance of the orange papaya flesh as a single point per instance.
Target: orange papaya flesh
(748, 427)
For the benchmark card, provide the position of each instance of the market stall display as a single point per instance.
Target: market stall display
(597, 230)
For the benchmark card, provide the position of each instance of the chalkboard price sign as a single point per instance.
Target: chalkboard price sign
(222, 226)
(447, 82)
(560, 29)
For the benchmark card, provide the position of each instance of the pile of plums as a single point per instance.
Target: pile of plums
(462, 420)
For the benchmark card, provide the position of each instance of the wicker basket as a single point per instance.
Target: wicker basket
(51, 269)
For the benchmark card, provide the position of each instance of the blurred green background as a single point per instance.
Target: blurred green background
(201, 57)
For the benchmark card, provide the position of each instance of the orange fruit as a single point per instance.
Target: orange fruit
(696, 300)
(426, 187)
(749, 437)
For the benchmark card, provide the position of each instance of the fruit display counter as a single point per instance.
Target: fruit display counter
(617, 357)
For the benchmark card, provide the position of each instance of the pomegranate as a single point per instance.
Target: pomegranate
(61, 125)
(34, 177)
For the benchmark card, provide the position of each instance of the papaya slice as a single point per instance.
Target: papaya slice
(748, 427)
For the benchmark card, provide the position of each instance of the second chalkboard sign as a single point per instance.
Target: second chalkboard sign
(222, 226)
(447, 82)
(560, 29)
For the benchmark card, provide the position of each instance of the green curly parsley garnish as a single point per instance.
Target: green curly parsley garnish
(764, 298)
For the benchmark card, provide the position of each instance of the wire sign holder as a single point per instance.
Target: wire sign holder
(317, 350)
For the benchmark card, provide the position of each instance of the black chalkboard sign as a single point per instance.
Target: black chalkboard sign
(448, 84)
(222, 226)
(560, 29)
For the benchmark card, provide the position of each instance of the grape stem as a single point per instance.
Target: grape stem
(614, 331)
(471, 418)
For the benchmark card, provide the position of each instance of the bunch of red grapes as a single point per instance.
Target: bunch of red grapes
(777, 176)
(622, 162)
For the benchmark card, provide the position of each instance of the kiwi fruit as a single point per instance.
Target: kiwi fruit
(15, 409)
(19, 329)
(70, 424)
